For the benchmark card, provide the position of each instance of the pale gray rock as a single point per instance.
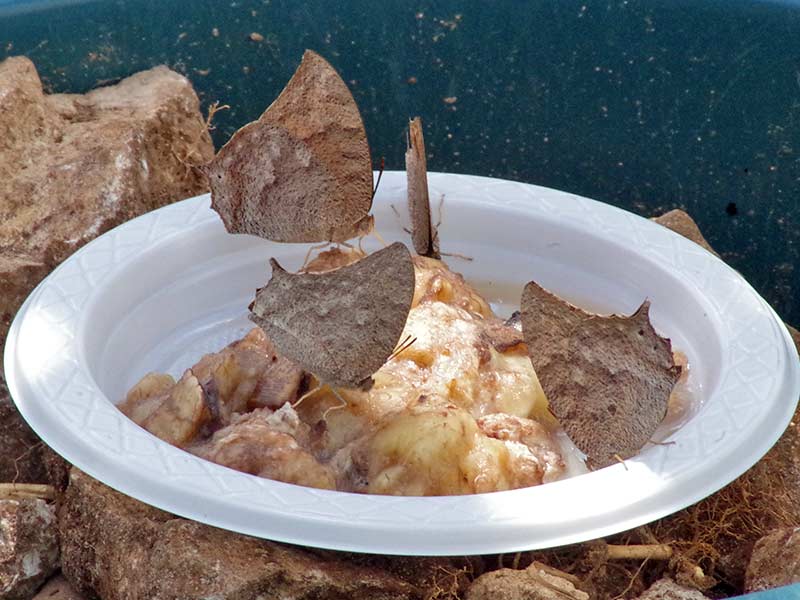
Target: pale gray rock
(28, 547)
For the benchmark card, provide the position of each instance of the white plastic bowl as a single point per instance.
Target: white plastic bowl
(161, 290)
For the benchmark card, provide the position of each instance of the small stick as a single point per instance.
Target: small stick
(621, 461)
(19, 491)
(212, 110)
(639, 552)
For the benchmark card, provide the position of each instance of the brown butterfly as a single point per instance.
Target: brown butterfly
(423, 233)
(302, 172)
(608, 379)
(341, 325)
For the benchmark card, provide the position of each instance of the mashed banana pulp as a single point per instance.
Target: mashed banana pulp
(458, 411)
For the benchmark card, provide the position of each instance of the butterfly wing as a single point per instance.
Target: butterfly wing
(302, 172)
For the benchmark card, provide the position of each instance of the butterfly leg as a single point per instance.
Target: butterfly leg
(330, 409)
(310, 250)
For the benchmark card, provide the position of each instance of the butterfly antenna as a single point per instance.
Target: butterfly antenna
(396, 348)
(407, 342)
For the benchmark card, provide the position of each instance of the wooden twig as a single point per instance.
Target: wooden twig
(20, 491)
(213, 109)
(639, 552)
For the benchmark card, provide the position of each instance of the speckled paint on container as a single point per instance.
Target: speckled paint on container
(648, 106)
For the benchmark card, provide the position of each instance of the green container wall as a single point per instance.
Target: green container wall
(645, 105)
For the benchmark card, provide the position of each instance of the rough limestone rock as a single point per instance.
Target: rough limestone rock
(775, 560)
(533, 583)
(115, 547)
(71, 167)
(667, 589)
(28, 547)
(74, 166)
(58, 588)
